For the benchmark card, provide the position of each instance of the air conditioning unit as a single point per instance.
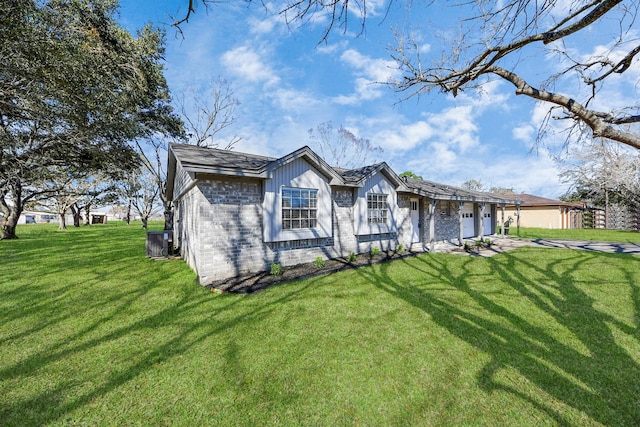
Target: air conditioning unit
(159, 243)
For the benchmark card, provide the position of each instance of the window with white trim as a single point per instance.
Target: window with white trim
(299, 208)
(377, 208)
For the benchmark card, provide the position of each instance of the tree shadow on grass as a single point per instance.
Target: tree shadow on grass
(594, 375)
(89, 298)
(57, 402)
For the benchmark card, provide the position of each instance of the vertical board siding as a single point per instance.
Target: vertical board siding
(297, 174)
(376, 184)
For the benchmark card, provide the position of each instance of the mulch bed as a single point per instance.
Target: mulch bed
(258, 281)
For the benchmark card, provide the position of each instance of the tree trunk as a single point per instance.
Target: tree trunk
(144, 222)
(9, 230)
(62, 225)
(87, 213)
(168, 216)
(128, 217)
(75, 211)
(11, 213)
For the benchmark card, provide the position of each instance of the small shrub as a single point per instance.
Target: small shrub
(375, 251)
(276, 269)
(319, 262)
(487, 242)
(352, 257)
(400, 248)
(479, 243)
(467, 246)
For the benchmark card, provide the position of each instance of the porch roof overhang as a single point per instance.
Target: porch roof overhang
(436, 191)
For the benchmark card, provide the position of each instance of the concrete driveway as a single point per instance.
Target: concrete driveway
(507, 243)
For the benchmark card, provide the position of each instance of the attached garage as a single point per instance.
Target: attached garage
(487, 223)
(468, 221)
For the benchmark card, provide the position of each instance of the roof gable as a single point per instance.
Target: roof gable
(357, 177)
(310, 157)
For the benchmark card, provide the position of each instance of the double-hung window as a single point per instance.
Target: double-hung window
(299, 208)
(377, 208)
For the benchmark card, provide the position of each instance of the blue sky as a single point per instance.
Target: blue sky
(287, 83)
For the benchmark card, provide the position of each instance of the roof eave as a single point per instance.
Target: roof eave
(241, 173)
(171, 173)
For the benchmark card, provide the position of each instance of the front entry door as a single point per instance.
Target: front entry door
(415, 221)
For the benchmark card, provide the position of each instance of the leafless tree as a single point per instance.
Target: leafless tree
(604, 173)
(507, 39)
(474, 185)
(145, 198)
(139, 190)
(340, 147)
(206, 116)
(74, 192)
(153, 157)
(203, 119)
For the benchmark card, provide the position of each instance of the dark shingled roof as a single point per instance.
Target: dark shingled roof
(191, 155)
(227, 162)
(438, 191)
(354, 176)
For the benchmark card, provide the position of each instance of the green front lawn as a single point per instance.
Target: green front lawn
(94, 333)
(578, 234)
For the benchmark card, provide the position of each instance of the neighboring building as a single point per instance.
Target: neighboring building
(541, 212)
(37, 217)
(236, 213)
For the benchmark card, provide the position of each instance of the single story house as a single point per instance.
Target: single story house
(236, 213)
(540, 212)
(37, 217)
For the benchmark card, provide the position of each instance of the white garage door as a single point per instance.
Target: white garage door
(487, 222)
(468, 220)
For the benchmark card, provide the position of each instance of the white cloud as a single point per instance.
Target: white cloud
(487, 95)
(330, 48)
(534, 174)
(456, 125)
(441, 155)
(261, 26)
(291, 99)
(248, 64)
(370, 75)
(404, 137)
(524, 133)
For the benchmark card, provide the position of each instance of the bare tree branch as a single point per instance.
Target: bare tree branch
(599, 123)
(206, 117)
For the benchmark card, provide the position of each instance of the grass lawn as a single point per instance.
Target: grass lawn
(579, 234)
(94, 333)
